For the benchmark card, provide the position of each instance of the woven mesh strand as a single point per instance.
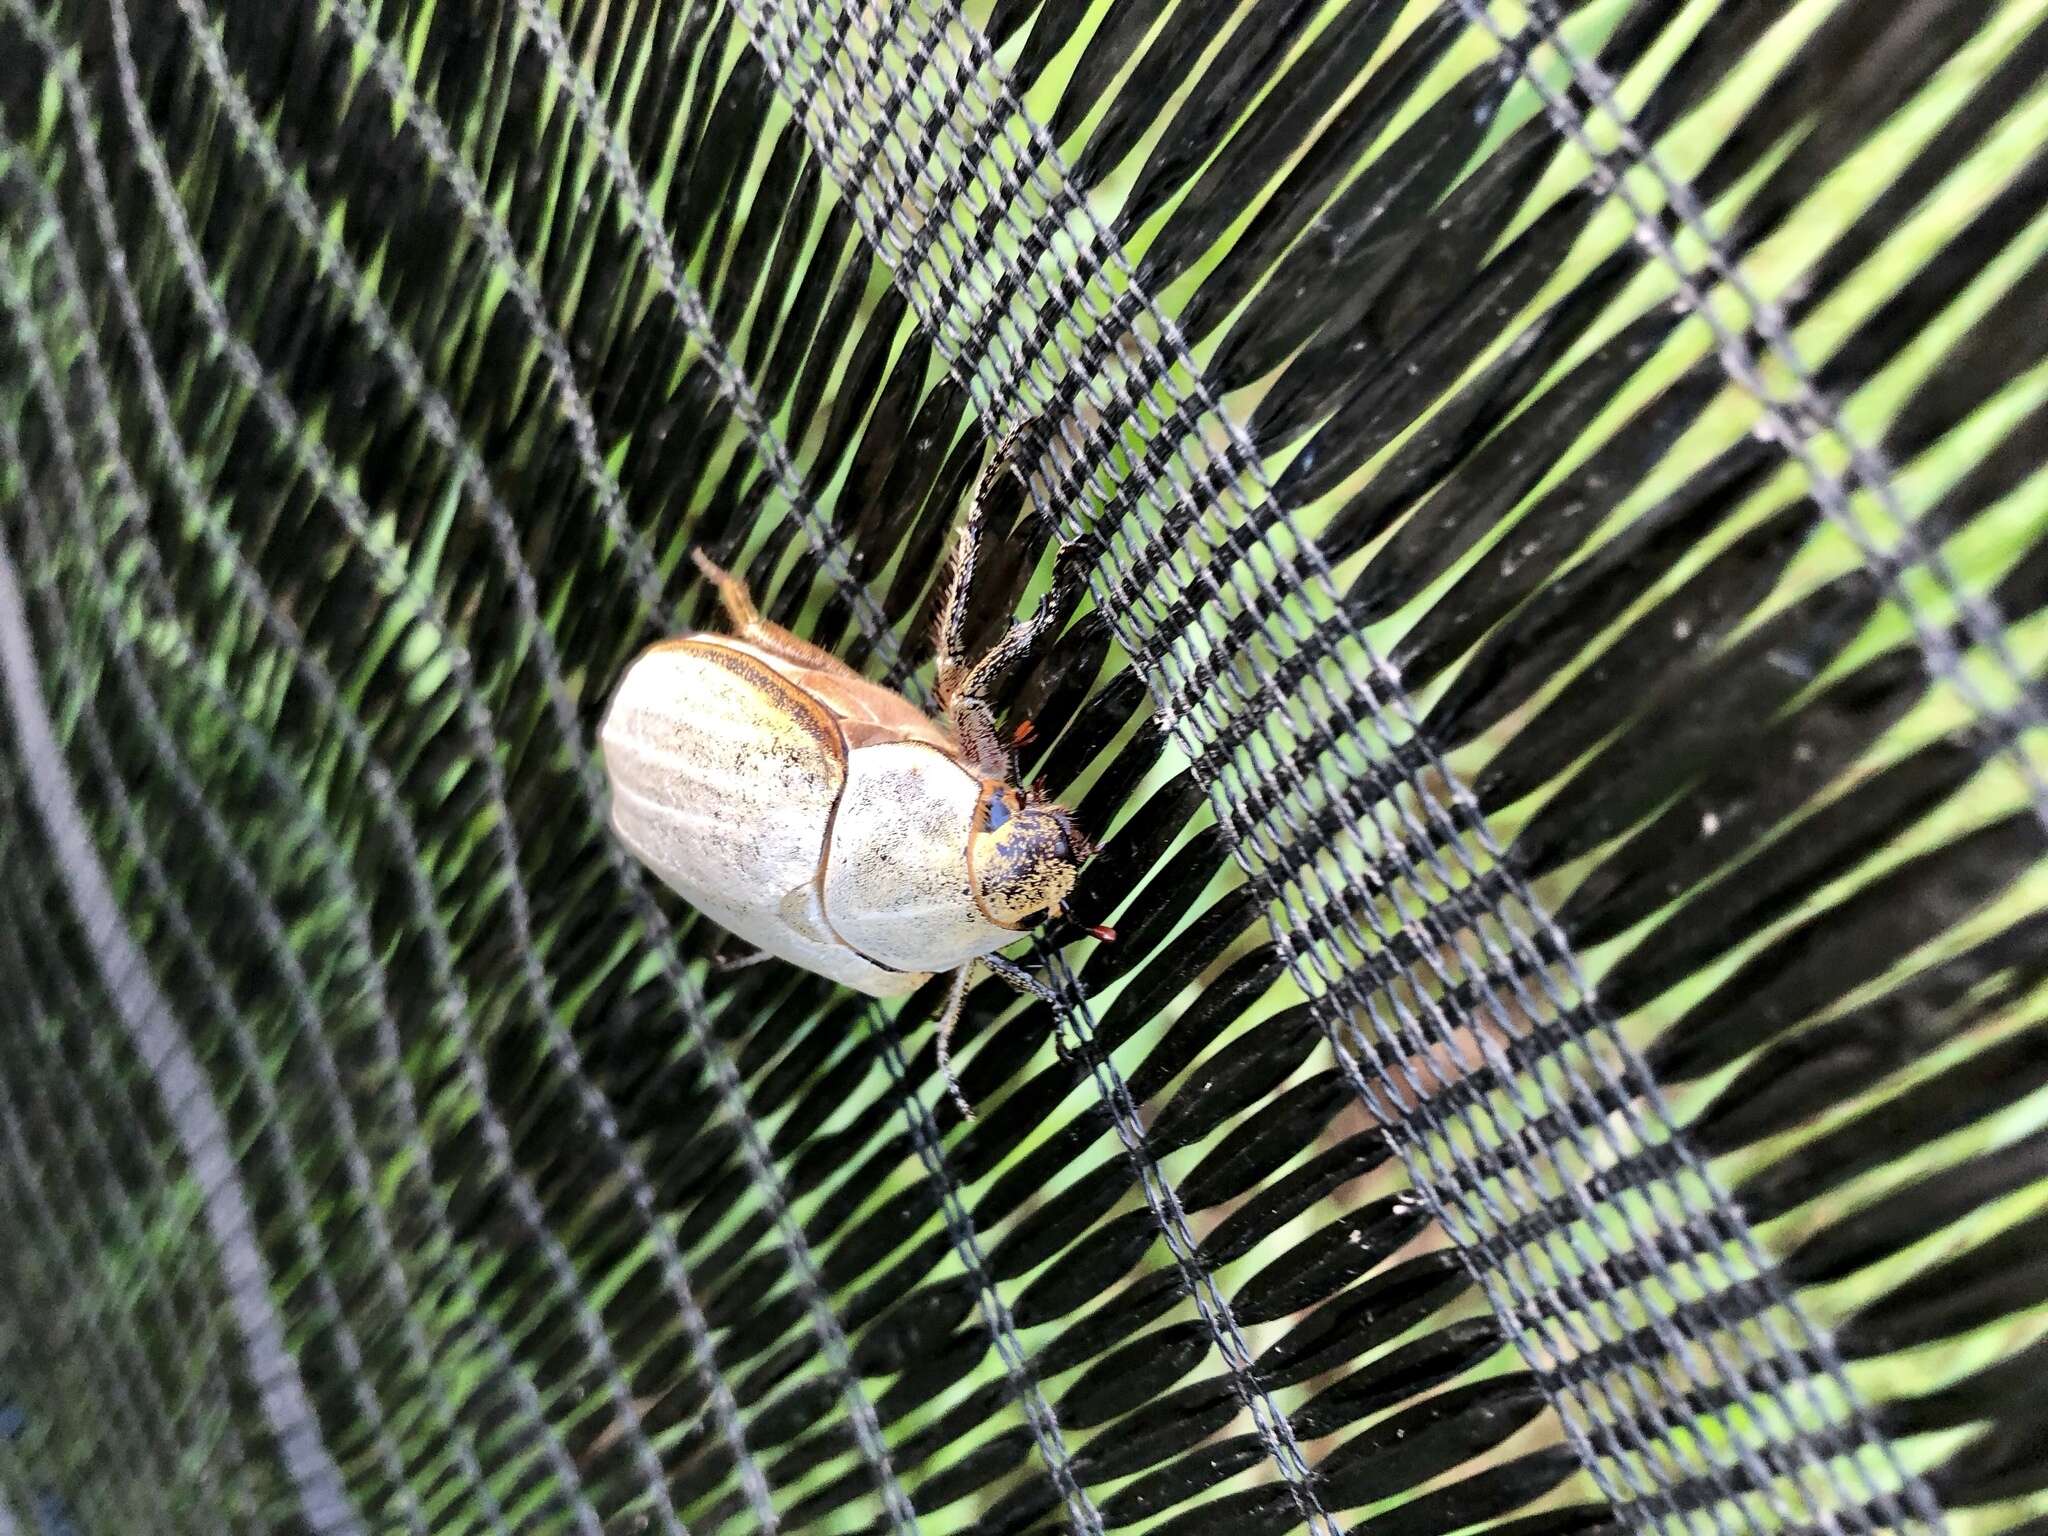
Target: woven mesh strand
(1559, 687)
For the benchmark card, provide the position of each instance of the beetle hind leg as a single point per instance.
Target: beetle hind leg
(726, 962)
(733, 595)
(748, 625)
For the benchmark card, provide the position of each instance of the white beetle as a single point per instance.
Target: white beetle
(826, 819)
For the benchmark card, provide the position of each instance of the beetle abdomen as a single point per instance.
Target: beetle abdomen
(724, 780)
(896, 879)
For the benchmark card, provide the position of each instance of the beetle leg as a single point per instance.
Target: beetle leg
(748, 625)
(723, 964)
(969, 702)
(733, 595)
(956, 1000)
(1022, 979)
(1001, 484)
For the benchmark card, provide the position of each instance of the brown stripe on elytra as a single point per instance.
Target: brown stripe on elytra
(817, 721)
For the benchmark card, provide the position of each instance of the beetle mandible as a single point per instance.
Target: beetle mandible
(826, 819)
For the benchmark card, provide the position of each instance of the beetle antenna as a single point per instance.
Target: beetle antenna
(956, 999)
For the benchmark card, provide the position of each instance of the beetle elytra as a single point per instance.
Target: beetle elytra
(827, 820)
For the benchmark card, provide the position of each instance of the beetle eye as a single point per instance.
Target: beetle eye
(1001, 807)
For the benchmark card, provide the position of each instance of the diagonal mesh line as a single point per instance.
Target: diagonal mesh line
(825, 1324)
(525, 1202)
(1160, 1198)
(1806, 418)
(420, 116)
(655, 243)
(156, 1036)
(288, 788)
(733, 385)
(995, 1311)
(291, 431)
(88, 1160)
(117, 1406)
(1223, 476)
(269, 925)
(1197, 1280)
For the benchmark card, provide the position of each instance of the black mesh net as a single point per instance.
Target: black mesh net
(1559, 689)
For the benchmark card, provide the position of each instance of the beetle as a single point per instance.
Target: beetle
(824, 818)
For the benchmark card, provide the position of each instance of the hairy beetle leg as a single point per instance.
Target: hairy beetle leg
(966, 686)
(748, 625)
(733, 595)
(998, 482)
(722, 965)
(956, 999)
(1022, 979)
(967, 693)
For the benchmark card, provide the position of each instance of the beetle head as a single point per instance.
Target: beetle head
(1024, 856)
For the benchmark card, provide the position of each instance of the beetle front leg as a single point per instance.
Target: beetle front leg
(969, 703)
(1000, 487)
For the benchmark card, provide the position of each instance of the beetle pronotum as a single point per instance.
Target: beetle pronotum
(826, 819)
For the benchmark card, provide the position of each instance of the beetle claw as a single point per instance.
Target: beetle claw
(1024, 732)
